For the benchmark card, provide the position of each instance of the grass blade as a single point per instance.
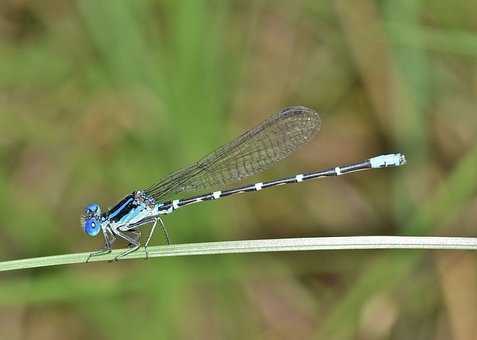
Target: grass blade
(259, 246)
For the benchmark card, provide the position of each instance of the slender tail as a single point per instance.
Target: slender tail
(383, 161)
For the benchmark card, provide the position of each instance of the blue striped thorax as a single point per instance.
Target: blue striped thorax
(131, 209)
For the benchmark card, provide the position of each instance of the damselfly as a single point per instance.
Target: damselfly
(252, 152)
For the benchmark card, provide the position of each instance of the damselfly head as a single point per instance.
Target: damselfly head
(91, 219)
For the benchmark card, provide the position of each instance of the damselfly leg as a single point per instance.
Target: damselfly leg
(102, 251)
(164, 230)
(134, 242)
(135, 234)
(108, 245)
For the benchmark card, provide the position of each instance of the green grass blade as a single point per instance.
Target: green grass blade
(258, 246)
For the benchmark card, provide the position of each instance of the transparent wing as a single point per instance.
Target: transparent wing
(247, 155)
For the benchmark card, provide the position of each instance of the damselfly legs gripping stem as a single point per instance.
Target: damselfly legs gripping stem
(251, 153)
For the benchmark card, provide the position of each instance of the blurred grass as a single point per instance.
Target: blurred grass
(432, 39)
(100, 98)
(389, 272)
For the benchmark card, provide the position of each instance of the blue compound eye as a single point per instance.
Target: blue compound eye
(92, 226)
(92, 209)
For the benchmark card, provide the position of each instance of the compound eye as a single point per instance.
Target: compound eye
(92, 209)
(92, 226)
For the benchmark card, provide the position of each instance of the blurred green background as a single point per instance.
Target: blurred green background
(99, 98)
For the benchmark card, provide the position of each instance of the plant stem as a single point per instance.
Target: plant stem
(253, 246)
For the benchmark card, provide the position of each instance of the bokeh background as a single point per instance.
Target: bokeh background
(99, 98)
